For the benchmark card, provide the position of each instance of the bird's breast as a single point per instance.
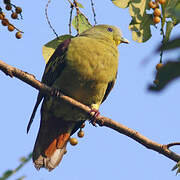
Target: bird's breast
(90, 67)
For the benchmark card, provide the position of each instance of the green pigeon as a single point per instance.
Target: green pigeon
(85, 69)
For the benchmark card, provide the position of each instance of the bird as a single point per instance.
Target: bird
(84, 68)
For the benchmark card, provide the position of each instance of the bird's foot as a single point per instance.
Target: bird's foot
(55, 92)
(92, 119)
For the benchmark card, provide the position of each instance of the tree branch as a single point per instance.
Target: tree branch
(100, 120)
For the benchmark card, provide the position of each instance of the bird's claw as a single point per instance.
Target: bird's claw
(55, 92)
(92, 119)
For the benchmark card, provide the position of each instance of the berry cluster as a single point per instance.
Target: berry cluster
(14, 15)
(74, 141)
(157, 11)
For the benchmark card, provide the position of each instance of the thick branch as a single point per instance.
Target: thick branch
(101, 120)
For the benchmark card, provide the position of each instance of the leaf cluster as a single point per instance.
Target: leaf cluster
(142, 18)
(9, 173)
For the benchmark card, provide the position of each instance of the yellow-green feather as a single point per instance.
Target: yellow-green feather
(91, 63)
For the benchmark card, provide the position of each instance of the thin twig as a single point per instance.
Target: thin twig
(15, 8)
(16, 28)
(70, 19)
(87, 21)
(172, 144)
(74, 4)
(94, 13)
(163, 43)
(46, 13)
(12, 24)
(71, 3)
(77, 15)
(101, 120)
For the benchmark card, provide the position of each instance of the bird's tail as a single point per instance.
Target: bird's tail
(51, 141)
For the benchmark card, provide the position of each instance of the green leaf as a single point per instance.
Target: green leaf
(137, 9)
(6, 174)
(141, 21)
(121, 3)
(167, 73)
(79, 5)
(173, 44)
(81, 22)
(29, 156)
(23, 159)
(177, 166)
(169, 27)
(170, 9)
(141, 31)
(140, 24)
(49, 48)
(177, 11)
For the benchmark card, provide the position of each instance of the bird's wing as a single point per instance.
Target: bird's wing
(56, 63)
(53, 69)
(109, 88)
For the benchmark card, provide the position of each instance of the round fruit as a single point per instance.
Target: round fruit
(18, 10)
(81, 134)
(5, 22)
(83, 125)
(162, 1)
(2, 13)
(156, 82)
(14, 15)
(11, 27)
(7, 1)
(156, 19)
(18, 35)
(153, 5)
(73, 141)
(157, 12)
(8, 7)
(1, 16)
(159, 66)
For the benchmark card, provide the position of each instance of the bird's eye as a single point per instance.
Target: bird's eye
(110, 29)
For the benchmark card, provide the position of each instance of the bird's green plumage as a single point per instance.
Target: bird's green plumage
(85, 70)
(91, 64)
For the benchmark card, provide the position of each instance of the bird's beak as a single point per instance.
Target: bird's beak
(124, 40)
(121, 40)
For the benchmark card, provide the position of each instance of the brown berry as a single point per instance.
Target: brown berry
(81, 134)
(8, 7)
(5, 22)
(1, 16)
(11, 27)
(153, 5)
(7, 1)
(162, 1)
(159, 66)
(14, 15)
(83, 125)
(18, 10)
(2, 13)
(156, 82)
(73, 141)
(18, 35)
(157, 12)
(156, 19)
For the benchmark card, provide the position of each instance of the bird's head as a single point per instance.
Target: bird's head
(107, 32)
